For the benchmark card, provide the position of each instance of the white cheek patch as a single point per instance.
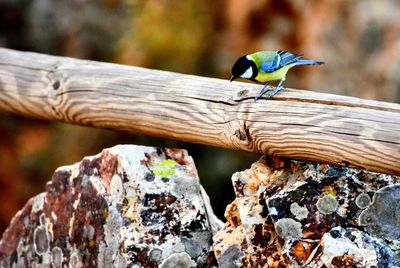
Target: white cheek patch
(248, 73)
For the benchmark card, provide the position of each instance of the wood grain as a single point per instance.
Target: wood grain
(295, 124)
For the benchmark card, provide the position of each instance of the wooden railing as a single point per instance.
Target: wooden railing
(295, 124)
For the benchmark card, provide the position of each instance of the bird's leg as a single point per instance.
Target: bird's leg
(263, 90)
(277, 88)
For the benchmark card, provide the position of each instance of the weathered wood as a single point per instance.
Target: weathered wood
(295, 124)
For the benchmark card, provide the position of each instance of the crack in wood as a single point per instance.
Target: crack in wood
(330, 103)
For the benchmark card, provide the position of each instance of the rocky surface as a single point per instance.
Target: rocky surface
(128, 206)
(298, 214)
(134, 206)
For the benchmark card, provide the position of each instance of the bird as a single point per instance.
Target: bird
(266, 66)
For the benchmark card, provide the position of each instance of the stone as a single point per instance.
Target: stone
(382, 217)
(327, 204)
(299, 214)
(350, 247)
(129, 206)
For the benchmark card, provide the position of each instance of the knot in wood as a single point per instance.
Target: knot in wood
(240, 135)
(54, 77)
(56, 84)
(242, 93)
(243, 133)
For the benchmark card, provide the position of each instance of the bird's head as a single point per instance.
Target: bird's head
(244, 67)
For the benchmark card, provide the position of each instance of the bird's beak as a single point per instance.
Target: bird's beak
(233, 78)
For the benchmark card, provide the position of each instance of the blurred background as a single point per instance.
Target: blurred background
(359, 40)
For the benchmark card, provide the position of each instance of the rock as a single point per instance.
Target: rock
(299, 214)
(382, 217)
(133, 206)
(128, 206)
(351, 247)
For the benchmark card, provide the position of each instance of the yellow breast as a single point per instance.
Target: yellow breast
(264, 77)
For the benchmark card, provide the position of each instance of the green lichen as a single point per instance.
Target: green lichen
(288, 228)
(166, 168)
(167, 163)
(299, 212)
(363, 200)
(331, 191)
(395, 246)
(327, 204)
(382, 217)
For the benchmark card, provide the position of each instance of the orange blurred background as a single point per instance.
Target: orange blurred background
(359, 40)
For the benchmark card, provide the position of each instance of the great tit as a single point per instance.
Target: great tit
(265, 66)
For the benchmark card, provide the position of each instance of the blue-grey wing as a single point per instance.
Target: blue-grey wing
(281, 59)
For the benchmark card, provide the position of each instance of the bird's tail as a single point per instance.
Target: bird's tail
(309, 62)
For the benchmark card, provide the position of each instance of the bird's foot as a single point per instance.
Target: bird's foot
(277, 88)
(273, 93)
(262, 92)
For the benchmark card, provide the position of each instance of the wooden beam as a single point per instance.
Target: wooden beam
(295, 124)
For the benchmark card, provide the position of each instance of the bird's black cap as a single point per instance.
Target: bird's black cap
(241, 65)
